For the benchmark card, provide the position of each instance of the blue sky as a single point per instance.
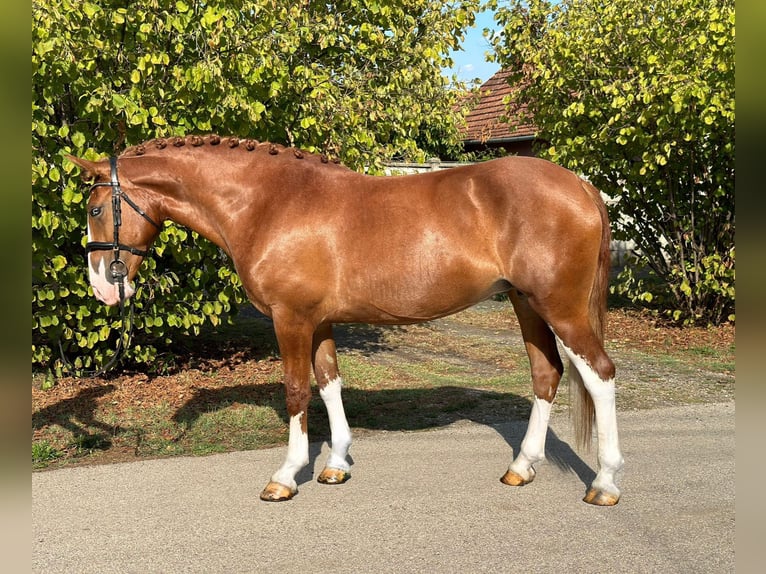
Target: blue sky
(470, 62)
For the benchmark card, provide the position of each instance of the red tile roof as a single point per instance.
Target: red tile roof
(488, 121)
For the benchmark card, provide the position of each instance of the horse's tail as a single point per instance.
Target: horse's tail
(583, 409)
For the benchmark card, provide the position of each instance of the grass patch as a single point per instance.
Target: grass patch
(711, 359)
(682, 362)
(360, 373)
(43, 453)
(235, 427)
(437, 373)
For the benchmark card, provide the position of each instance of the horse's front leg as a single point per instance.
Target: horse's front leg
(327, 375)
(295, 345)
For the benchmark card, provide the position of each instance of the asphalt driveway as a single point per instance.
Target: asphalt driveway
(418, 502)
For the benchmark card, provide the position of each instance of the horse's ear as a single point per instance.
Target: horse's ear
(89, 169)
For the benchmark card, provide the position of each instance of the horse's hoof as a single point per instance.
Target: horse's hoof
(333, 476)
(513, 479)
(601, 498)
(275, 492)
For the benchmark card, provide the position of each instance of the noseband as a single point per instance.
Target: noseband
(117, 267)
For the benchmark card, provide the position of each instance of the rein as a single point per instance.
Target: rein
(117, 268)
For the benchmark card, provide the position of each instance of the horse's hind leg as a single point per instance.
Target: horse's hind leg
(595, 371)
(328, 379)
(546, 370)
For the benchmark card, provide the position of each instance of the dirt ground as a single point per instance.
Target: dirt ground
(656, 365)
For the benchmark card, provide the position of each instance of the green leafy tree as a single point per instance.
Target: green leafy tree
(639, 97)
(356, 78)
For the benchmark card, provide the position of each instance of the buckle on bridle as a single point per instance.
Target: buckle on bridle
(118, 269)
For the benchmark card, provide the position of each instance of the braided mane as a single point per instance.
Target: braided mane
(232, 142)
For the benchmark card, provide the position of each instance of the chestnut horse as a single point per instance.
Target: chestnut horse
(316, 243)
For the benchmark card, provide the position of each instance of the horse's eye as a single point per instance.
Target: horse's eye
(95, 211)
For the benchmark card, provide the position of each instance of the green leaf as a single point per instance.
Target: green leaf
(118, 101)
(90, 9)
(58, 262)
(78, 139)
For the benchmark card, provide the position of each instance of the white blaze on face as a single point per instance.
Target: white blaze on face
(104, 290)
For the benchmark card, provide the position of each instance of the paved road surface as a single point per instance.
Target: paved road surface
(418, 502)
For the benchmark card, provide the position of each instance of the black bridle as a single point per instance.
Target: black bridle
(117, 268)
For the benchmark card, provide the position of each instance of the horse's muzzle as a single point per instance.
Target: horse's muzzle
(111, 294)
(106, 286)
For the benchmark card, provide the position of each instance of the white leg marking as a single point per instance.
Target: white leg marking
(610, 458)
(339, 429)
(533, 446)
(297, 454)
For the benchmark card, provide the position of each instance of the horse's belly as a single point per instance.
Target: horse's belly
(416, 299)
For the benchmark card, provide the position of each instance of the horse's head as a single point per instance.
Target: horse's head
(122, 223)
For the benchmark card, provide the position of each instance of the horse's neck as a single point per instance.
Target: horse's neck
(204, 207)
(214, 200)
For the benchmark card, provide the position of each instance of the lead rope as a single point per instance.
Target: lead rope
(123, 342)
